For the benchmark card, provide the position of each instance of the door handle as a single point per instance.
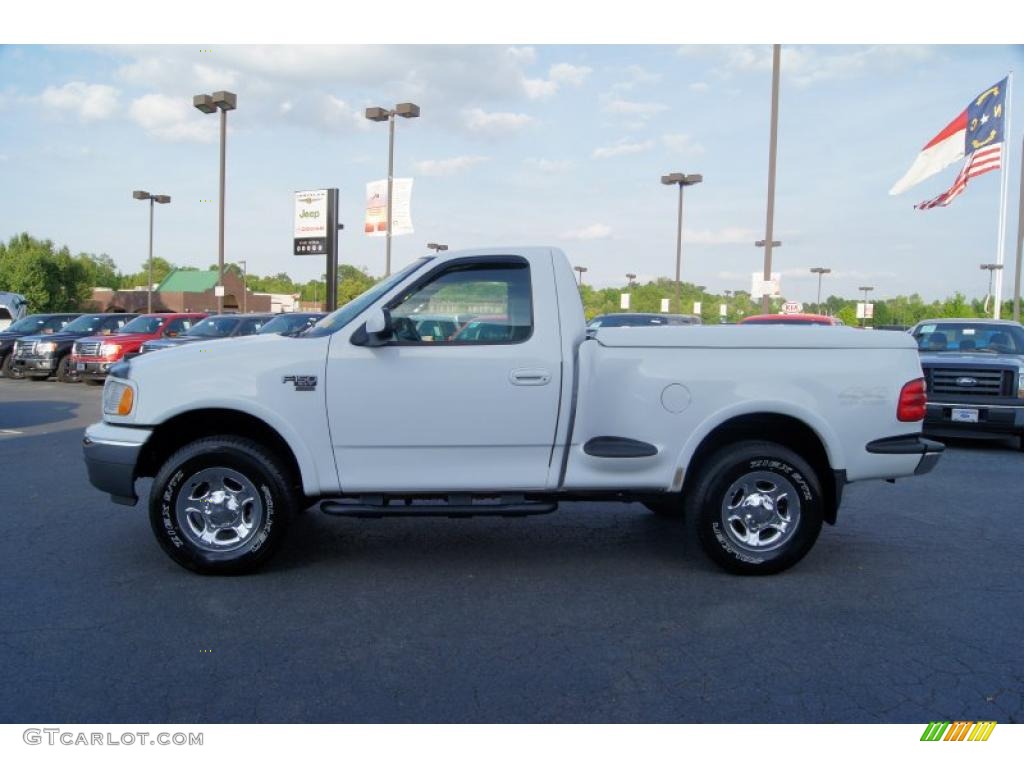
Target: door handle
(529, 377)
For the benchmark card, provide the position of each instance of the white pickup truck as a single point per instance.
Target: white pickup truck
(467, 384)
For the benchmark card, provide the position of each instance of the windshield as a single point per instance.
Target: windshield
(143, 324)
(995, 338)
(290, 323)
(85, 324)
(214, 327)
(39, 324)
(342, 317)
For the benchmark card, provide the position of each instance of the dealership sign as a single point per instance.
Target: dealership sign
(376, 223)
(311, 226)
(759, 286)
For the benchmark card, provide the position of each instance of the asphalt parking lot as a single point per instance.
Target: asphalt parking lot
(910, 610)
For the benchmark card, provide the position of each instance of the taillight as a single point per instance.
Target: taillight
(911, 405)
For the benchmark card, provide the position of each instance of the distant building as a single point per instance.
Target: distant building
(183, 290)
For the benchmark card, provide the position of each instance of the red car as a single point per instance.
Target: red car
(790, 320)
(93, 355)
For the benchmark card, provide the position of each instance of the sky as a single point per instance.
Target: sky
(516, 145)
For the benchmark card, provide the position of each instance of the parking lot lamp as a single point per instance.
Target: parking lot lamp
(139, 194)
(580, 270)
(630, 277)
(819, 271)
(379, 115)
(437, 247)
(682, 180)
(208, 104)
(245, 266)
(991, 273)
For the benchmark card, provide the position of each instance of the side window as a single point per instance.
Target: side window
(114, 323)
(468, 304)
(250, 327)
(177, 327)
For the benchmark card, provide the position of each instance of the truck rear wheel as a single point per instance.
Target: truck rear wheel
(757, 507)
(221, 505)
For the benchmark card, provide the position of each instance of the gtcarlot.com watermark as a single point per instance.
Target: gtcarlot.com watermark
(61, 737)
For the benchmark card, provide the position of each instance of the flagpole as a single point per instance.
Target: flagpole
(1020, 237)
(1004, 179)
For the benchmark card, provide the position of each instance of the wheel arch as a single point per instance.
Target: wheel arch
(784, 429)
(185, 427)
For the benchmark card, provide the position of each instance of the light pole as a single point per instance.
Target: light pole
(380, 115)
(819, 271)
(766, 299)
(580, 270)
(225, 101)
(143, 195)
(865, 288)
(991, 273)
(245, 266)
(773, 142)
(630, 277)
(437, 247)
(683, 180)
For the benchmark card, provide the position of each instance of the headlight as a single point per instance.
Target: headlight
(110, 350)
(46, 347)
(118, 398)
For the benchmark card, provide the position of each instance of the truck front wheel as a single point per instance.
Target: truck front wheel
(221, 505)
(757, 507)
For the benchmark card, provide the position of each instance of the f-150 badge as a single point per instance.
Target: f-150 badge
(302, 383)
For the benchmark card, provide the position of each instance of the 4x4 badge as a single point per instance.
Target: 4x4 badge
(302, 383)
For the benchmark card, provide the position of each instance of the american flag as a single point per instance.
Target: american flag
(978, 162)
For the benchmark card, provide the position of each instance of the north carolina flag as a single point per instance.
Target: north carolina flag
(979, 127)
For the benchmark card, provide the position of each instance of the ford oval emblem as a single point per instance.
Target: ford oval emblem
(966, 381)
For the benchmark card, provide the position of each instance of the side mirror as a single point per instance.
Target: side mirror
(376, 331)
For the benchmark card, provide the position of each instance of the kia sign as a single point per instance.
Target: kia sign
(311, 229)
(792, 308)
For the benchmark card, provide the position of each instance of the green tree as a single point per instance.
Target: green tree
(49, 278)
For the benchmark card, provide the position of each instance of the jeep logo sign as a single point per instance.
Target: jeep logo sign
(310, 224)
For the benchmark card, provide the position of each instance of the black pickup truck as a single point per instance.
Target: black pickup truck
(40, 356)
(974, 371)
(27, 326)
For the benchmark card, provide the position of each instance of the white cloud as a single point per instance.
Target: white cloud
(558, 75)
(682, 144)
(172, 118)
(635, 75)
(544, 165)
(494, 123)
(700, 87)
(808, 65)
(623, 147)
(642, 110)
(591, 232)
(569, 74)
(724, 236)
(522, 54)
(88, 101)
(448, 166)
(338, 114)
(209, 78)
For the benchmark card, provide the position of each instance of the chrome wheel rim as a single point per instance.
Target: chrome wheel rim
(219, 509)
(760, 512)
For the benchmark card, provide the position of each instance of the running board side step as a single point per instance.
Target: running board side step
(460, 506)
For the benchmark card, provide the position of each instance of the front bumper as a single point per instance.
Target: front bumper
(111, 453)
(902, 445)
(993, 420)
(91, 369)
(32, 364)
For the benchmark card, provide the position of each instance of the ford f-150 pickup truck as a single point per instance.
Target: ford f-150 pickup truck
(747, 433)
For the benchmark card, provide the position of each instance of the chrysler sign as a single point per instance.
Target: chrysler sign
(311, 227)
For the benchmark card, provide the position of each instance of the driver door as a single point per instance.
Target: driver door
(474, 409)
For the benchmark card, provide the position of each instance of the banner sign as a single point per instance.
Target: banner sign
(865, 311)
(759, 286)
(377, 208)
(311, 223)
(664, 305)
(696, 307)
(623, 301)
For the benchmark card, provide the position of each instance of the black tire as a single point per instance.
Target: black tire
(669, 505)
(758, 466)
(9, 371)
(64, 372)
(262, 469)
